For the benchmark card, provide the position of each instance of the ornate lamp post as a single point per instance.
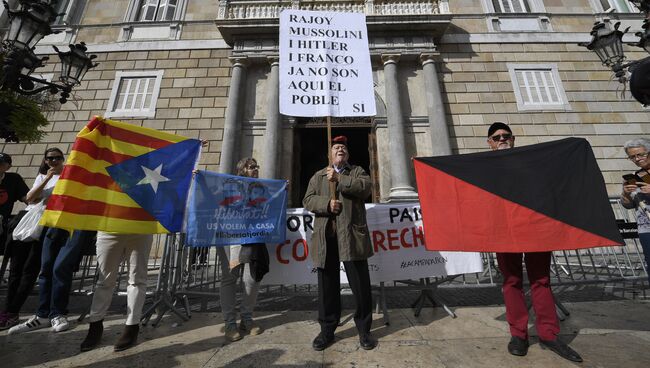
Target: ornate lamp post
(607, 43)
(28, 24)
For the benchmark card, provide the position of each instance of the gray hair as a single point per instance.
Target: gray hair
(241, 165)
(636, 143)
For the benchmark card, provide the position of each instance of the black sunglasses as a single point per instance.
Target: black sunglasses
(53, 158)
(498, 137)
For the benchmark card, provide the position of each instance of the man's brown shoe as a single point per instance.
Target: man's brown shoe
(128, 338)
(95, 331)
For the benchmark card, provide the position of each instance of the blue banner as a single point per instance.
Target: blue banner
(227, 210)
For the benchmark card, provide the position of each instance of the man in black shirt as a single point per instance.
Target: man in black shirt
(12, 189)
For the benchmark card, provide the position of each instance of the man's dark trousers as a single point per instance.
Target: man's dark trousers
(329, 291)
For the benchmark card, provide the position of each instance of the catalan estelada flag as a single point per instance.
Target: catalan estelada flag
(123, 178)
(542, 197)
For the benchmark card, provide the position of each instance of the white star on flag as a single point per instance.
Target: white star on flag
(152, 177)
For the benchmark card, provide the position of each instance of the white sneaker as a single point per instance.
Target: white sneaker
(60, 323)
(34, 323)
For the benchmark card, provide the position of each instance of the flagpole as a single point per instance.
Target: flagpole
(329, 156)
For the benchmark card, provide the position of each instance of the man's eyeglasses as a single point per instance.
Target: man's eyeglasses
(638, 156)
(498, 137)
(253, 167)
(54, 158)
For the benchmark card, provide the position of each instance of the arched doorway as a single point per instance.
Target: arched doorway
(311, 148)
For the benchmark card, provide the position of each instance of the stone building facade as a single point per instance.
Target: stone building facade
(443, 71)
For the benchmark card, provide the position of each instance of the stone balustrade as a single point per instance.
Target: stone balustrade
(264, 9)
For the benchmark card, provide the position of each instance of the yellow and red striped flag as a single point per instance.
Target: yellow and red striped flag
(123, 178)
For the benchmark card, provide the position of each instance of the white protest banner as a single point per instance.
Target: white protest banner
(325, 65)
(397, 238)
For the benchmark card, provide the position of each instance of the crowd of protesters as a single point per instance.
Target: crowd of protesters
(51, 256)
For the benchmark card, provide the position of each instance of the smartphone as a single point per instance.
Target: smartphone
(632, 179)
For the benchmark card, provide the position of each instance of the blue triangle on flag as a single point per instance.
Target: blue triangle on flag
(159, 180)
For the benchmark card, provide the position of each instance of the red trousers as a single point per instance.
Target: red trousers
(538, 267)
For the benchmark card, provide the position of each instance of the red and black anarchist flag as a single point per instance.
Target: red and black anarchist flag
(542, 197)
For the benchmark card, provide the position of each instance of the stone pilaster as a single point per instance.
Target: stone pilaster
(273, 133)
(440, 140)
(400, 172)
(232, 125)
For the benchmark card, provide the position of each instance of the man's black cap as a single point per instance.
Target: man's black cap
(5, 158)
(496, 126)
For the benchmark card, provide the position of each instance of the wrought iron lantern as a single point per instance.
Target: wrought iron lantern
(29, 23)
(607, 43)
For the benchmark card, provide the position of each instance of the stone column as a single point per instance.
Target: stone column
(232, 125)
(400, 172)
(273, 134)
(440, 139)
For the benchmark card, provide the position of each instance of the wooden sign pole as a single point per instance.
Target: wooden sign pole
(333, 194)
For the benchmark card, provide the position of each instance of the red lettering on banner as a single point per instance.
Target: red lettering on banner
(392, 237)
(378, 240)
(305, 250)
(278, 252)
(396, 239)
(297, 244)
(418, 236)
(402, 238)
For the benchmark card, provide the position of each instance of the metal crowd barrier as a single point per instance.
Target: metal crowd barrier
(584, 266)
(183, 272)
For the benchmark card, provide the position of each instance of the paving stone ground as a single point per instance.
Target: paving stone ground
(608, 325)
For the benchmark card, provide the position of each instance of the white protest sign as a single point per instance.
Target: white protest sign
(325, 65)
(397, 239)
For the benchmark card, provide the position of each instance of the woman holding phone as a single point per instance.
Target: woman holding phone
(636, 191)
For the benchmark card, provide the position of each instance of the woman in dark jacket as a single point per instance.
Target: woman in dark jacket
(636, 194)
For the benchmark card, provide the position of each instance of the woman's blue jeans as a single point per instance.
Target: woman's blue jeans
(59, 259)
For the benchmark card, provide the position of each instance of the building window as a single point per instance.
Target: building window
(61, 7)
(618, 6)
(153, 20)
(516, 16)
(511, 6)
(134, 94)
(70, 12)
(157, 10)
(538, 87)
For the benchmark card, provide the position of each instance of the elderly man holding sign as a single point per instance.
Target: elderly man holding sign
(341, 234)
(325, 71)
